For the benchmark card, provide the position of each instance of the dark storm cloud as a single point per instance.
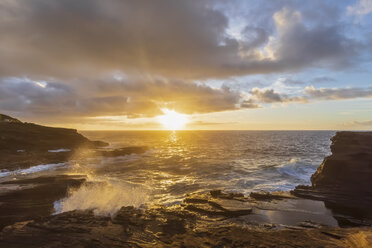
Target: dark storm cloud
(178, 39)
(140, 98)
(23, 95)
(299, 45)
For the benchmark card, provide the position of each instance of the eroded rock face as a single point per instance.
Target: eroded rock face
(27, 199)
(344, 179)
(349, 168)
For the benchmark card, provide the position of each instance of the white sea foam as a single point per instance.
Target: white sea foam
(103, 197)
(41, 167)
(5, 173)
(33, 169)
(297, 170)
(60, 150)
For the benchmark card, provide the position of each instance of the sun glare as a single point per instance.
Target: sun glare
(171, 120)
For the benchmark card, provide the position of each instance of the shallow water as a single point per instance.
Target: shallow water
(183, 162)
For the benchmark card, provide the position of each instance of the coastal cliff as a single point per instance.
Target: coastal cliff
(22, 136)
(349, 168)
(26, 144)
(27, 147)
(343, 180)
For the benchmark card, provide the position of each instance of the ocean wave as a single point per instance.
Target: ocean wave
(297, 170)
(33, 169)
(60, 150)
(5, 173)
(104, 197)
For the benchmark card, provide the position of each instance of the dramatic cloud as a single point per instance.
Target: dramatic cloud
(93, 58)
(177, 39)
(140, 97)
(297, 45)
(132, 97)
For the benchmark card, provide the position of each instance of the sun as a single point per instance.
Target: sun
(171, 120)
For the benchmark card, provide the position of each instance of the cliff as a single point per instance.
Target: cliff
(349, 168)
(27, 144)
(343, 180)
(8, 119)
(31, 137)
(204, 220)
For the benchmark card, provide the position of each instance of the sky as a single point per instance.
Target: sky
(240, 65)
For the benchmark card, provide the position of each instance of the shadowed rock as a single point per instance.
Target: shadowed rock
(343, 180)
(267, 196)
(24, 145)
(169, 227)
(27, 199)
(31, 137)
(8, 119)
(123, 151)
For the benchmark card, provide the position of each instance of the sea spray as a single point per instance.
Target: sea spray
(33, 169)
(298, 170)
(104, 197)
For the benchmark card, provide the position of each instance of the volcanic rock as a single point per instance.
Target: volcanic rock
(343, 180)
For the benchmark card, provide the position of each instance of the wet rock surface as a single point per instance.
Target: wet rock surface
(178, 226)
(26, 199)
(122, 151)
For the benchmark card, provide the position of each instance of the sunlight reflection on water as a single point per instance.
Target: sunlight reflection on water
(183, 162)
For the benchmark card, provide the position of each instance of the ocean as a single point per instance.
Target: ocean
(178, 163)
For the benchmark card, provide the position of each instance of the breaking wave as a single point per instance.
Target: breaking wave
(297, 170)
(33, 169)
(104, 197)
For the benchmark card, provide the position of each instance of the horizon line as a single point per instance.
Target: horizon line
(162, 130)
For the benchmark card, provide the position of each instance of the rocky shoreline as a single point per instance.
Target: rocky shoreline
(333, 212)
(23, 145)
(205, 220)
(27, 147)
